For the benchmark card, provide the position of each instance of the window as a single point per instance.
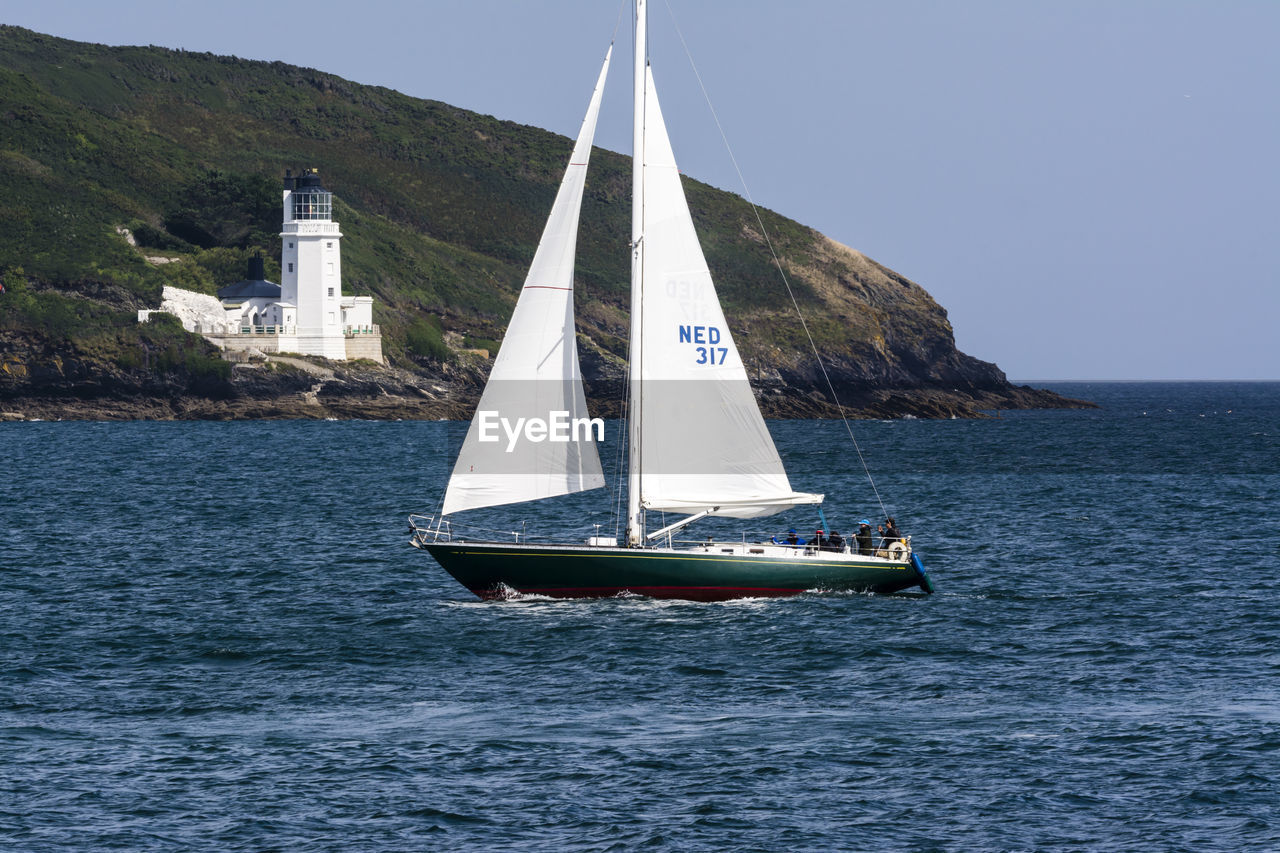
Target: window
(317, 204)
(331, 292)
(290, 245)
(329, 245)
(290, 267)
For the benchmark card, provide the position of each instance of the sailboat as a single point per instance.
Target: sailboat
(697, 444)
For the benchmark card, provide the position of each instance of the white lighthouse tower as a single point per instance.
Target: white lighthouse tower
(306, 313)
(311, 267)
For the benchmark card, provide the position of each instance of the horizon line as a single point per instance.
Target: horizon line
(1031, 381)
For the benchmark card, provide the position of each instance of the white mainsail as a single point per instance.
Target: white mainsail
(699, 442)
(535, 374)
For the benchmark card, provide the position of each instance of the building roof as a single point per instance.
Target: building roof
(254, 286)
(247, 289)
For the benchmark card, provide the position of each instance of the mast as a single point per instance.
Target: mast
(635, 516)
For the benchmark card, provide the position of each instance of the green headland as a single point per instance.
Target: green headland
(125, 169)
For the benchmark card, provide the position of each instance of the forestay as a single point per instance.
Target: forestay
(536, 373)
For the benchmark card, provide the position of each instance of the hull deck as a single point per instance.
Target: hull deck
(705, 573)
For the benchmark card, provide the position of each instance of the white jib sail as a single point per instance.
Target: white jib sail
(530, 437)
(703, 443)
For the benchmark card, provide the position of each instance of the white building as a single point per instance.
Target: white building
(255, 303)
(306, 313)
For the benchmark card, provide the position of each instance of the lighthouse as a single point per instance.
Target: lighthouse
(306, 313)
(311, 266)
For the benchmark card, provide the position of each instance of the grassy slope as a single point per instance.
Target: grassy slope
(441, 211)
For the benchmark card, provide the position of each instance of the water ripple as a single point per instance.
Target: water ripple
(199, 653)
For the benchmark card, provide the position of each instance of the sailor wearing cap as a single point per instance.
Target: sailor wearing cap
(866, 546)
(790, 539)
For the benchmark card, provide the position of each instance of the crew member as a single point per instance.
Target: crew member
(889, 533)
(790, 539)
(866, 544)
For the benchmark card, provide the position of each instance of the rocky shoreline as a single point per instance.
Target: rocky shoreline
(312, 390)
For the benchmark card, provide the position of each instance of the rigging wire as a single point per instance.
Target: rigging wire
(444, 491)
(624, 419)
(622, 8)
(624, 433)
(776, 261)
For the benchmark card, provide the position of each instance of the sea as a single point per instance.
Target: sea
(215, 636)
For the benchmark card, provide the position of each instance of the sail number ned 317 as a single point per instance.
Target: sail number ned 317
(709, 336)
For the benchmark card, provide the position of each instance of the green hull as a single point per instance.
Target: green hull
(568, 571)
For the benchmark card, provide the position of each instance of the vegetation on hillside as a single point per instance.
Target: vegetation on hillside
(440, 208)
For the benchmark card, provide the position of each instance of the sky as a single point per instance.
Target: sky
(1091, 188)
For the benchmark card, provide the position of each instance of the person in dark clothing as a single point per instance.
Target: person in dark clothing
(866, 545)
(820, 541)
(835, 542)
(889, 533)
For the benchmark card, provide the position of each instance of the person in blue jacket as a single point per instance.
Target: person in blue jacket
(790, 539)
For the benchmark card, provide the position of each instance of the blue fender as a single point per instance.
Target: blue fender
(925, 583)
